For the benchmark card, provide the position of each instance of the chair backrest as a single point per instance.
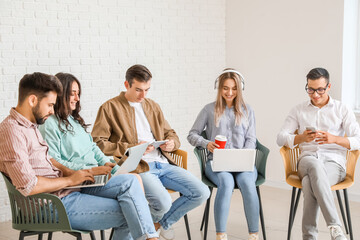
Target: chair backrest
(290, 158)
(39, 212)
(260, 161)
(180, 158)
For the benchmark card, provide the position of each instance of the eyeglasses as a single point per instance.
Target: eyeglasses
(319, 91)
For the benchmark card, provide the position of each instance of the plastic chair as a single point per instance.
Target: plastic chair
(290, 157)
(180, 158)
(39, 214)
(260, 162)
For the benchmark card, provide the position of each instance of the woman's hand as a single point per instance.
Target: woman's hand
(110, 164)
(100, 170)
(211, 146)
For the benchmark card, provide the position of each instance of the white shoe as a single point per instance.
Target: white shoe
(168, 234)
(336, 233)
(221, 237)
(253, 236)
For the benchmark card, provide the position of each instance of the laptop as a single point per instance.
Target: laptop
(99, 180)
(233, 160)
(135, 154)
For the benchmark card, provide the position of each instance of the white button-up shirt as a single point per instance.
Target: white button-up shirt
(334, 118)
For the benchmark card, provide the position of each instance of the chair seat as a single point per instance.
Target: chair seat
(348, 181)
(294, 180)
(260, 180)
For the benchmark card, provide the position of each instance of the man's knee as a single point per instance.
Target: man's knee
(161, 204)
(198, 192)
(203, 193)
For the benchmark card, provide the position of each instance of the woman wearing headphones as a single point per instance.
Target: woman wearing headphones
(229, 116)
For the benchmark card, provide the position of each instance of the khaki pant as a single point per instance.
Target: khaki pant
(317, 178)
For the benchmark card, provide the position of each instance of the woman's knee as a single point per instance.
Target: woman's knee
(245, 181)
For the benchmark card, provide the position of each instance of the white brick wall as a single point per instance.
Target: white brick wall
(181, 42)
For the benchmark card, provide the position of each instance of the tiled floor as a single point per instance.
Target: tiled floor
(276, 204)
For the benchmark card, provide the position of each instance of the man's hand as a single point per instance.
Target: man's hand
(49, 185)
(306, 136)
(168, 146)
(100, 170)
(212, 146)
(80, 176)
(325, 138)
(149, 148)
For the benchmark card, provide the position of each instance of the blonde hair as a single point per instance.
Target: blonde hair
(238, 102)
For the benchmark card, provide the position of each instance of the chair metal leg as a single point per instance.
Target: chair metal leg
(50, 235)
(102, 234)
(111, 234)
(92, 235)
(77, 235)
(291, 212)
(203, 218)
(342, 211)
(348, 213)
(206, 214)
(296, 204)
(22, 235)
(187, 226)
(261, 214)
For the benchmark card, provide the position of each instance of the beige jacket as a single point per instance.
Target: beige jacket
(115, 131)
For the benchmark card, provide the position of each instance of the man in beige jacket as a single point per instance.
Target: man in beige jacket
(130, 119)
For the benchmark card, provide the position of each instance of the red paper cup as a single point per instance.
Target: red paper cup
(221, 141)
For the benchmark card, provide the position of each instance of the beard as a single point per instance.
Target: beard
(38, 118)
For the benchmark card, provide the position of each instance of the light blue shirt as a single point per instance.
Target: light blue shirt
(74, 149)
(238, 136)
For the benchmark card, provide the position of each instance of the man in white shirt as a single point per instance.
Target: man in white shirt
(322, 162)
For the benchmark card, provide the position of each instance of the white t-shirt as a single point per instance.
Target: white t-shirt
(144, 133)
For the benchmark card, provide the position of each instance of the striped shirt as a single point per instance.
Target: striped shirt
(24, 154)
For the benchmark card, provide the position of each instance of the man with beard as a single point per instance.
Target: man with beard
(120, 204)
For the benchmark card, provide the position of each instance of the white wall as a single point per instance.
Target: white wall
(275, 44)
(181, 42)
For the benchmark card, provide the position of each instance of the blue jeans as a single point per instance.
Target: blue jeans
(120, 204)
(165, 175)
(225, 182)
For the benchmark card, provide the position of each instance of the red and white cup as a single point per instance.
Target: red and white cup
(221, 141)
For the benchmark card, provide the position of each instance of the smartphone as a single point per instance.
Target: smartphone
(312, 129)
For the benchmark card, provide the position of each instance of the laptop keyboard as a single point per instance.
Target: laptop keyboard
(98, 180)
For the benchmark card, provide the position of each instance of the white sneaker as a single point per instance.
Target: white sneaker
(168, 234)
(221, 237)
(253, 236)
(336, 233)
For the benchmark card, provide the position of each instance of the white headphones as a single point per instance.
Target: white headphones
(232, 71)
